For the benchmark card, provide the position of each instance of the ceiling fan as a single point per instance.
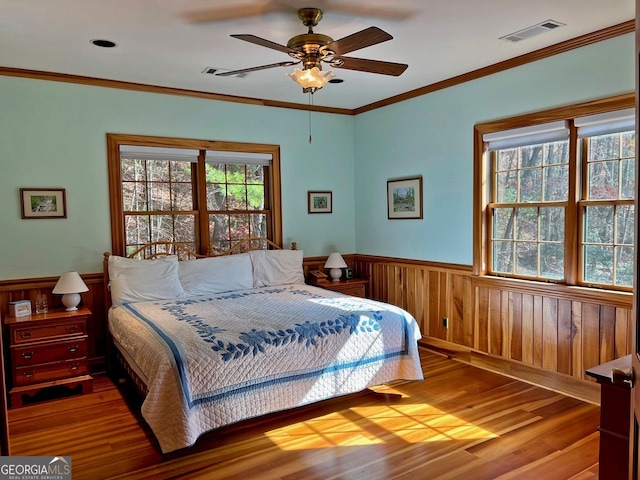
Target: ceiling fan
(313, 49)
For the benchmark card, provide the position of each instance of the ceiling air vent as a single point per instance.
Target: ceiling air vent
(532, 31)
(214, 70)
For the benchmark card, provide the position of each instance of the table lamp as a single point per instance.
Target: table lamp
(335, 263)
(70, 285)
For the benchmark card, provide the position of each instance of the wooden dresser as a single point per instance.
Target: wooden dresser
(48, 350)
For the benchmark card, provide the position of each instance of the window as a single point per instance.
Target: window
(204, 195)
(607, 205)
(235, 189)
(529, 197)
(555, 199)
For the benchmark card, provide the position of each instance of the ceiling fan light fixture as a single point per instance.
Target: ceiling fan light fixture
(311, 79)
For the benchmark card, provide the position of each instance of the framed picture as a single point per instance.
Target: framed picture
(43, 203)
(404, 198)
(320, 202)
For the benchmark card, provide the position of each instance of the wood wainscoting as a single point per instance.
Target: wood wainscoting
(544, 334)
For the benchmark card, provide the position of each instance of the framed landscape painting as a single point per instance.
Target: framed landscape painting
(404, 198)
(319, 202)
(43, 203)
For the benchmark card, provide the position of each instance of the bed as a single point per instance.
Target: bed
(213, 341)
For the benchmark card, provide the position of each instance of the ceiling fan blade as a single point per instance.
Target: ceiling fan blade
(235, 13)
(255, 69)
(264, 43)
(373, 66)
(365, 10)
(356, 41)
(287, 6)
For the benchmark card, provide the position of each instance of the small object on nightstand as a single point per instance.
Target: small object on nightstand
(317, 276)
(20, 308)
(41, 303)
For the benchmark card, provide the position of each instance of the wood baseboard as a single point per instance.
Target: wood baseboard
(585, 390)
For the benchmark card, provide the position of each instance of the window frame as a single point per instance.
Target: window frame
(586, 201)
(482, 190)
(494, 205)
(272, 185)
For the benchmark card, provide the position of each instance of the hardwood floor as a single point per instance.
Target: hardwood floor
(460, 423)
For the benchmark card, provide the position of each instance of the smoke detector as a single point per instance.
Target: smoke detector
(532, 31)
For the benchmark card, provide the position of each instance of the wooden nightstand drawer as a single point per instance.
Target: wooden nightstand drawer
(356, 287)
(50, 371)
(355, 290)
(30, 333)
(50, 352)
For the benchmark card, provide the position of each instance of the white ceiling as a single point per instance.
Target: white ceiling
(161, 43)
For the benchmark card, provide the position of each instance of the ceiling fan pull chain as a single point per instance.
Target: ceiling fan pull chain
(310, 103)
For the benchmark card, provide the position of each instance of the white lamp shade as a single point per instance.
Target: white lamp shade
(335, 263)
(70, 285)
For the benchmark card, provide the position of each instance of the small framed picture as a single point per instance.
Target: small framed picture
(404, 198)
(43, 203)
(320, 202)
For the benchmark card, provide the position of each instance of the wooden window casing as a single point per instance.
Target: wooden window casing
(482, 209)
(272, 209)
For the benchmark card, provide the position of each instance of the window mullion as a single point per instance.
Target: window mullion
(573, 219)
(203, 235)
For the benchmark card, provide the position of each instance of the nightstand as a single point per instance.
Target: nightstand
(47, 350)
(354, 286)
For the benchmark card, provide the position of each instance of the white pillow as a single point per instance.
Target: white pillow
(206, 276)
(141, 280)
(276, 267)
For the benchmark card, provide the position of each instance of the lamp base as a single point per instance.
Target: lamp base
(335, 274)
(71, 301)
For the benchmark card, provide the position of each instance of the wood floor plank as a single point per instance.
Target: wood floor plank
(582, 456)
(461, 422)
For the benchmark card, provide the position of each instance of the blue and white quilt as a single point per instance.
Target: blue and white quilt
(210, 361)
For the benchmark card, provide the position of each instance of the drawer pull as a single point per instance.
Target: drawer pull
(72, 328)
(29, 374)
(73, 367)
(73, 348)
(27, 355)
(26, 334)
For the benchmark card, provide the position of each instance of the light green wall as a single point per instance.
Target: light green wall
(432, 136)
(54, 135)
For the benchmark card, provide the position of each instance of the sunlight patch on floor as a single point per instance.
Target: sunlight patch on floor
(372, 425)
